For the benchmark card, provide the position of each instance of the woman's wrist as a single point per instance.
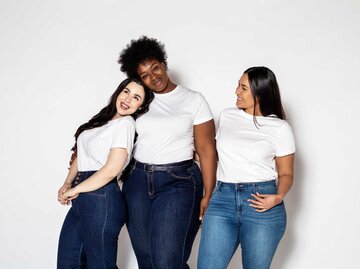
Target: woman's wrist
(77, 189)
(67, 182)
(207, 194)
(279, 198)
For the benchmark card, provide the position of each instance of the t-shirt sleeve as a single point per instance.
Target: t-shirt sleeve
(286, 141)
(124, 134)
(202, 110)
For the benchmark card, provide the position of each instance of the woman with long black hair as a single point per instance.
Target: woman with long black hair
(255, 147)
(89, 236)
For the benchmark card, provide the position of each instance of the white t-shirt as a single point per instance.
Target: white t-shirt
(247, 153)
(165, 132)
(93, 146)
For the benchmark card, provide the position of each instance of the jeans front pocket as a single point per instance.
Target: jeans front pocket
(266, 188)
(182, 174)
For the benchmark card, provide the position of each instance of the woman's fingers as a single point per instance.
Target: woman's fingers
(262, 202)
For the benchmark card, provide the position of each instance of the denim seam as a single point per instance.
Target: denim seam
(103, 230)
(188, 226)
(150, 183)
(81, 248)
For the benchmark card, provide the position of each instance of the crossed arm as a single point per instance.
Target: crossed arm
(113, 166)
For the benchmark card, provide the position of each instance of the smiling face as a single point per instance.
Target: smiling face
(154, 75)
(129, 100)
(245, 99)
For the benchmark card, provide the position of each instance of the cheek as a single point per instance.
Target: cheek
(117, 104)
(146, 81)
(136, 105)
(249, 97)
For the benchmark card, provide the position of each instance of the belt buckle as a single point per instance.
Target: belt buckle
(149, 167)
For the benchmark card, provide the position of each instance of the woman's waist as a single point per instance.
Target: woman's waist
(84, 175)
(246, 185)
(163, 154)
(149, 167)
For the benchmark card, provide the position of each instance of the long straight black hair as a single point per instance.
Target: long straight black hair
(265, 91)
(108, 112)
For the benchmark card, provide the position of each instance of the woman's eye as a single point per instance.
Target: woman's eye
(143, 77)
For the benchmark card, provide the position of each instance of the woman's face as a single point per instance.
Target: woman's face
(245, 99)
(130, 99)
(154, 76)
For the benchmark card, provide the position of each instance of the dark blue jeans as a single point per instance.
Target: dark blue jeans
(89, 236)
(163, 204)
(230, 221)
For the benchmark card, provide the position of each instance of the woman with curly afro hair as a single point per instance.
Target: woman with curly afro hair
(165, 191)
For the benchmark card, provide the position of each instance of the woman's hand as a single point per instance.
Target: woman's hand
(71, 194)
(61, 197)
(203, 205)
(264, 202)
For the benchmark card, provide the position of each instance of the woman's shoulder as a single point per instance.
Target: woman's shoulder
(277, 121)
(125, 121)
(230, 111)
(189, 93)
(282, 126)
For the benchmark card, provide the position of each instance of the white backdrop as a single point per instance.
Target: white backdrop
(58, 68)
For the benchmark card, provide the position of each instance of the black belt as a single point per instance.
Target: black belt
(163, 167)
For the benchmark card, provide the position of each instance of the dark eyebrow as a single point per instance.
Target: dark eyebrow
(151, 66)
(126, 88)
(243, 85)
(138, 96)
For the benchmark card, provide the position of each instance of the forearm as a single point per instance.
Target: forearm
(284, 184)
(96, 181)
(208, 169)
(109, 171)
(73, 170)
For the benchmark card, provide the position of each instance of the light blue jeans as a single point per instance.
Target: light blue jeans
(230, 221)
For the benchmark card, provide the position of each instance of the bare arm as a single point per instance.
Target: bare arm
(111, 169)
(285, 168)
(67, 184)
(204, 135)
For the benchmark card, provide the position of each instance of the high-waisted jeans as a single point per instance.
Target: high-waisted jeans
(230, 221)
(163, 204)
(89, 236)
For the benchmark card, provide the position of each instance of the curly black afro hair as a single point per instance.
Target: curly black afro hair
(138, 51)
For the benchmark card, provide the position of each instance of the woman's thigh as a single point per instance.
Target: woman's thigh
(219, 232)
(103, 213)
(174, 217)
(261, 232)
